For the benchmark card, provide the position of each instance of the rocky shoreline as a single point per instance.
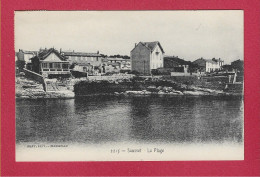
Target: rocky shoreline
(27, 89)
(145, 88)
(168, 91)
(46, 95)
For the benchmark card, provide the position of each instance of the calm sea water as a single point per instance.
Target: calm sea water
(104, 119)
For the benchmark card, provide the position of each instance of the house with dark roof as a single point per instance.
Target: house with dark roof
(50, 63)
(94, 59)
(146, 56)
(209, 65)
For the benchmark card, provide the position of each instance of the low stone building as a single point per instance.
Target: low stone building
(85, 62)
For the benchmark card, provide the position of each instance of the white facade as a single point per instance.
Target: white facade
(156, 58)
(53, 57)
(27, 57)
(213, 66)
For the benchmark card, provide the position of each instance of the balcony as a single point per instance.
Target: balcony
(55, 71)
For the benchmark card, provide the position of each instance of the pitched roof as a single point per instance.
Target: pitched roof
(83, 54)
(151, 45)
(28, 52)
(45, 53)
(210, 61)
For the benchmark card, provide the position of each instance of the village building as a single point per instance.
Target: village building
(124, 64)
(146, 56)
(209, 65)
(25, 55)
(84, 62)
(116, 65)
(112, 68)
(51, 64)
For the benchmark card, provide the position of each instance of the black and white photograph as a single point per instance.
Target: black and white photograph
(129, 85)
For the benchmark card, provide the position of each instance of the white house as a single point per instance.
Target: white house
(209, 65)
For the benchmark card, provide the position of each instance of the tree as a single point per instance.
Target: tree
(119, 56)
(155, 72)
(72, 66)
(193, 67)
(103, 55)
(227, 67)
(238, 65)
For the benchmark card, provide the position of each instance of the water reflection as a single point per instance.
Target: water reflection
(103, 119)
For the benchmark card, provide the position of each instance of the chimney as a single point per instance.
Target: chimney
(60, 50)
(98, 52)
(135, 44)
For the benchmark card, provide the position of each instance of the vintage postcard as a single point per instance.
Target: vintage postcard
(129, 85)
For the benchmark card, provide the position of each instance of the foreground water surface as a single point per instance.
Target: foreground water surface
(104, 119)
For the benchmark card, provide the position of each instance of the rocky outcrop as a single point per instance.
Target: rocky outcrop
(28, 89)
(152, 90)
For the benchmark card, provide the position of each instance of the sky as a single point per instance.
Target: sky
(187, 34)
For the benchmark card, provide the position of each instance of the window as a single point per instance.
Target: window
(65, 66)
(57, 65)
(51, 65)
(44, 65)
(157, 52)
(97, 58)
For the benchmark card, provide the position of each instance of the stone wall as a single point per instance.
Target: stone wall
(36, 77)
